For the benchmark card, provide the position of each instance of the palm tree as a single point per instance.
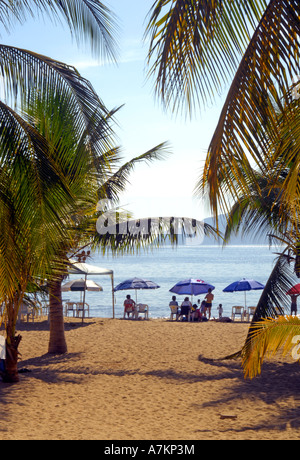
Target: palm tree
(196, 49)
(32, 186)
(31, 190)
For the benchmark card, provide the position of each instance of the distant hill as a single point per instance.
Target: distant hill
(239, 239)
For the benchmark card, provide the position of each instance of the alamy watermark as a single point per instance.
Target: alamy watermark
(113, 222)
(296, 350)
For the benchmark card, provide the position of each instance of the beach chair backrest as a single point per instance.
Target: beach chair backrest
(2, 347)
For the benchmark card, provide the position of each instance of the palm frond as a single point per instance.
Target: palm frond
(257, 212)
(117, 181)
(274, 301)
(265, 74)
(267, 337)
(25, 73)
(196, 46)
(88, 20)
(118, 233)
(32, 190)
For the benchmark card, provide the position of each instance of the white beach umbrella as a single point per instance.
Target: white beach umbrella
(81, 285)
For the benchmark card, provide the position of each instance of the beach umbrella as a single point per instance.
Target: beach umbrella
(294, 290)
(191, 287)
(82, 268)
(136, 284)
(244, 285)
(81, 285)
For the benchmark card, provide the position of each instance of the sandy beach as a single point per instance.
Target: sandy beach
(142, 380)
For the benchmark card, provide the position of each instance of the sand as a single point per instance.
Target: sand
(142, 380)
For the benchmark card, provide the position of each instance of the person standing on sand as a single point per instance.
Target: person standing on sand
(209, 298)
(294, 304)
(220, 310)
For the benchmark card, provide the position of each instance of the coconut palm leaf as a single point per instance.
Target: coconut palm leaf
(196, 46)
(27, 73)
(273, 300)
(88, 20)
(118, 180)
(257, 213)
(248, 106)
(31, 191)
(267, 337)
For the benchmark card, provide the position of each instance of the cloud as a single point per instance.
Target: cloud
(82, 65)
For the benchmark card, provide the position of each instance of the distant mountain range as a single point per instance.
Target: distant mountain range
(239, 239)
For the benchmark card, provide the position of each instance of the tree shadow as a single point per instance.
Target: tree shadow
(278, 380)
(45, 326)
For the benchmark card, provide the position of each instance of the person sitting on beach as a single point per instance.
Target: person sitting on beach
(209, 298)
(223, 319)
(174, 303)
(129, 305)
(195, 313)
(186, 307)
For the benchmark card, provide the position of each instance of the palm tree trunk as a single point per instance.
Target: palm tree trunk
(57, 341)
(10, 375)
(11, 362)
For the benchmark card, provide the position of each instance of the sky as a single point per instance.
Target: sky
(165, 188)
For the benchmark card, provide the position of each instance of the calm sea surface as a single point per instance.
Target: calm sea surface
(167, 266)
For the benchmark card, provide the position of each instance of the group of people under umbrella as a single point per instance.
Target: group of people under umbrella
(190, 287)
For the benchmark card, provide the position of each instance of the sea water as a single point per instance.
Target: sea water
(166, 266)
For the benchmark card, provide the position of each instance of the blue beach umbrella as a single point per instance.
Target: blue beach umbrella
(244, 285)
(136, 284)
(191, 287)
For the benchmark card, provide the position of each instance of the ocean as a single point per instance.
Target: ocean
(166, 266)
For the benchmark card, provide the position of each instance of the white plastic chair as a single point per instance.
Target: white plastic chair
(80, 308)
(70, 307)
(143, 309)
(25, 312)
(239, 311)
(174, 310)
(250, 312)
(46, 308)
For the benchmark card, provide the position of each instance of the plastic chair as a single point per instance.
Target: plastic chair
(143, 309)
(237, 310)
(70, 307)
(25, 312)
(174, 312)
(130, 312)
(80, 308)
(250, 312)
(2, 347)
(45, 309)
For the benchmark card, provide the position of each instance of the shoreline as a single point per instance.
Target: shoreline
(142, 380)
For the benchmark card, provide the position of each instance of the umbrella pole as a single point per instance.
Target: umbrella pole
(83, 303)
(113, 295)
